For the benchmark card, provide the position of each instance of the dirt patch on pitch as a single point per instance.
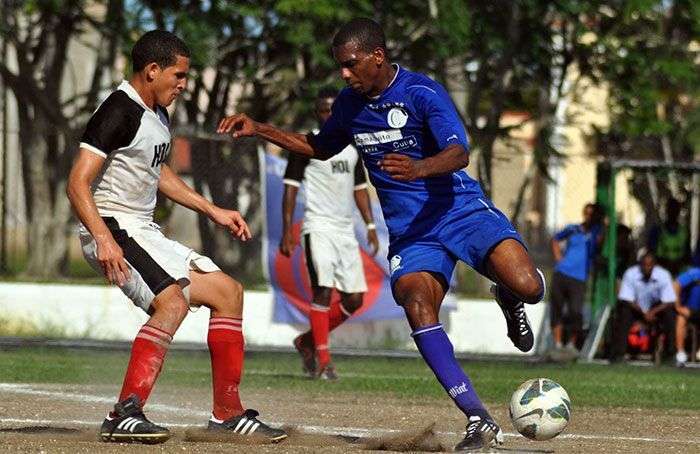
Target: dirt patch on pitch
(61, 418)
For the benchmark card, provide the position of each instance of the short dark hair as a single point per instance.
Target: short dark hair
(327, 92)
(160, 47)
(365, 32)
(597, 212)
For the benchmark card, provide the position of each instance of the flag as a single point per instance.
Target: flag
(288, 276)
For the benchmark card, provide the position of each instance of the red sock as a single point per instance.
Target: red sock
(147, 354)
(337, 315)
(319, 331)
(225, 342)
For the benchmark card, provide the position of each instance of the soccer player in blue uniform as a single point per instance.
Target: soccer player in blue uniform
(415, 148)
(687, 287)
(573, 266)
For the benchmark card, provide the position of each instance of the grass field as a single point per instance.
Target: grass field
(588, 385)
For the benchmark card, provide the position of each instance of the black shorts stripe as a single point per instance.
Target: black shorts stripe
(153, 274)
(309, 261)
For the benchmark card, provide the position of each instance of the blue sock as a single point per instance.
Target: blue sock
(437, 351)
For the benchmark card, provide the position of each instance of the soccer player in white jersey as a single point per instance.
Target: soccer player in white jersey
(331, 251)
(121, 165)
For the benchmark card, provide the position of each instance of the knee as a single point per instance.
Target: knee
(352, 302)
(173, 308)
(322, 296)
(231, 294)
(530, 287)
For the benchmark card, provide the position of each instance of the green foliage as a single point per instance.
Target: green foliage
(647, 57)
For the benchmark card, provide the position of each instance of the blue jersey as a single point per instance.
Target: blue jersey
(580, 250)
(690, 284)
(413, 116)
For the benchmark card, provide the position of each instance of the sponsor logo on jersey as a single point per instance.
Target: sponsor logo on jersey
(377, 137)
(340, 166)
(395, 264)
(407, 142)
(370, 149)
(457, 390)
(397, 117)
(160, 154)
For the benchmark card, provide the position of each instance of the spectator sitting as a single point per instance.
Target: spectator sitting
(687, 287)
(646, 295)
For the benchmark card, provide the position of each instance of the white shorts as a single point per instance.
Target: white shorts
(155, 262)
(334, 261)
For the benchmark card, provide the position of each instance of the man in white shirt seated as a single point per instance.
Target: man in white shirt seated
(646, 295)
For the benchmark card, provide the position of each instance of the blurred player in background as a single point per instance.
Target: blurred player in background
(415, 148)
(331, 251)
(687, 287)
(121, 165)
(573, 266)
(670, 241)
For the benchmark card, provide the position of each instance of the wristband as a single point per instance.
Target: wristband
(371, 226)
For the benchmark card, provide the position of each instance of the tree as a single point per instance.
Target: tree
(648, 54)
(52, 111)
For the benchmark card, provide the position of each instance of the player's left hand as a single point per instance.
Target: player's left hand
(373, 241)
(238, 125)
(401, 167)
(232, 221)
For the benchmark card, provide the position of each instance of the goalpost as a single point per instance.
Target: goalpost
(681, 177)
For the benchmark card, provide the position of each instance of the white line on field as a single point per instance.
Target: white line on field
(28, 389)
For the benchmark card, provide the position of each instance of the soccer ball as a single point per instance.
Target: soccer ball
(540, 409)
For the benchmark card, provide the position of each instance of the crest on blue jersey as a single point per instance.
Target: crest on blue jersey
(397, 117)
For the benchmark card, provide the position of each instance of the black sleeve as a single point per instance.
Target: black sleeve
(360, 176)
(295, 169)
(114, 124)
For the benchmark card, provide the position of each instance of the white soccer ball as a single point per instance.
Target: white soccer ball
(540, 409)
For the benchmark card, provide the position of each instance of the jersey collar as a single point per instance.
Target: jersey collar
(129, 89)
(396, 75)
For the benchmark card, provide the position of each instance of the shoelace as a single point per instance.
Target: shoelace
(522, 319)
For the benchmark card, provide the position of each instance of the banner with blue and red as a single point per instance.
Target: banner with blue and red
(288, 276)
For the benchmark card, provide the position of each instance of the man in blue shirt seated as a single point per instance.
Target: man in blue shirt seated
(687, 287)
(646, 295)
(415, 149)
(571, 272)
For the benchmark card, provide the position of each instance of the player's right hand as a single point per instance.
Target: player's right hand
(111, 258)
(287, 244)
(239, 125)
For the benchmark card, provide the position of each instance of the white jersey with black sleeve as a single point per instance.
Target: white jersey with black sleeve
(134, 140)
(329, 189)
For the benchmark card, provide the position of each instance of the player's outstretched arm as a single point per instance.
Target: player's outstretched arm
(172, 186)
(241, 125)
(111, 257)
(403, 168)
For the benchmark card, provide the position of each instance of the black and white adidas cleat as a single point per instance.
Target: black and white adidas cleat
(480, 434)
(130, 425)
(249, 424)
(519, 329)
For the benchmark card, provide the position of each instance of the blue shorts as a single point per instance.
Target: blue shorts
(468, 234)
